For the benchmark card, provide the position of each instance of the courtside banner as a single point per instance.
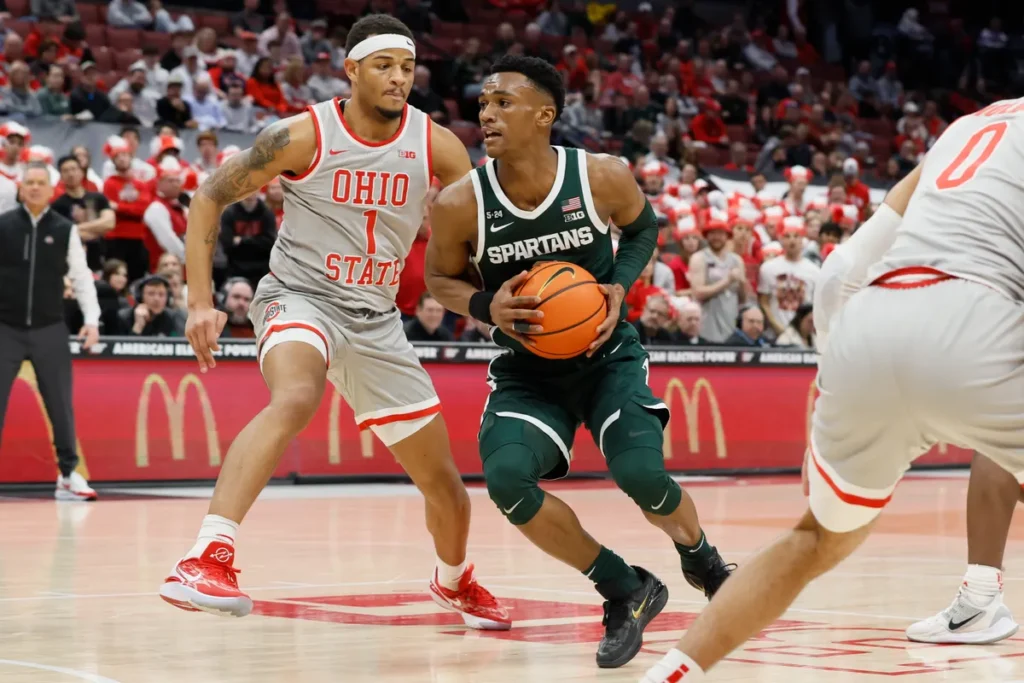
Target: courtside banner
(153, 416)
(245, 349)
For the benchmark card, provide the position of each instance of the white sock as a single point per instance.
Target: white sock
(982, 584)
(675, 666)
(214, 528)
(448, 576)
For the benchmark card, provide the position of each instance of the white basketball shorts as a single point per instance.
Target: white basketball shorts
(916, 359)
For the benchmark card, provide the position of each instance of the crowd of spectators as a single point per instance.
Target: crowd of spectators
(711, 115)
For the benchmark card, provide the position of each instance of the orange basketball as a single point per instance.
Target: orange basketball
(573, 307)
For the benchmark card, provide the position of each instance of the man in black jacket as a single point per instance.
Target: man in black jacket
(248, 230)
(37, 248)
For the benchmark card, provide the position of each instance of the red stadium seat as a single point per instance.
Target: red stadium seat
(738, 133)
(162, 41)
(123, 38)
(125, 58)
(88, 12)
(95, 34)
(22, 28)
(104, 60)
(468, 133)
(453, 109)
(221, 23)
(18, 8)
(444, 29)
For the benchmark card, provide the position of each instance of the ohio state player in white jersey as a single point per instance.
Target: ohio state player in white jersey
(924, 343)
(355, 174)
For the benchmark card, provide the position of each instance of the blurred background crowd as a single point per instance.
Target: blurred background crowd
(762, 131)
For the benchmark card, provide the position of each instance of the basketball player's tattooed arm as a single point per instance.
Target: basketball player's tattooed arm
(618, 197)
(448, 269)
(288, 145)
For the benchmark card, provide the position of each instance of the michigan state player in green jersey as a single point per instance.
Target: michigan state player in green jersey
(535, 202)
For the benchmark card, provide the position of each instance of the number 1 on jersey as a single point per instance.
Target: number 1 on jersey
(994, 133)
(371, 225)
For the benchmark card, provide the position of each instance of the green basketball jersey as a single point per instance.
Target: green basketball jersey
(565, 227)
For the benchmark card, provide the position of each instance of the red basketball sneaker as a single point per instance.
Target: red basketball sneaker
(479, 609)
(207, 583)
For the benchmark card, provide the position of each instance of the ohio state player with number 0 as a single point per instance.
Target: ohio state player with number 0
(921, 330)
(355, 174)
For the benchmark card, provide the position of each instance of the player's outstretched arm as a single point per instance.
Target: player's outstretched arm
(288, 145)
(453, 222)
(618, 197)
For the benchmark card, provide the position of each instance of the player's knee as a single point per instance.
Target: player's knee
(294, 405)
(821, 549)
(640, 473)
(511, 483)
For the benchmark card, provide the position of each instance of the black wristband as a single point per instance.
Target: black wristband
(480, 306)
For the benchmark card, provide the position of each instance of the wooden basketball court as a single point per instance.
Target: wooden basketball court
(339, 573)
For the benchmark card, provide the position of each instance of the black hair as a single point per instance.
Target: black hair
(802, 312)
(375, 25)
(130, 129)
(831, 228)
(256, 70)
(423, 299)
(63, 160)
(542, 75)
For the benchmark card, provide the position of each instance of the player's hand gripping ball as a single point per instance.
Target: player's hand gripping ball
(573, 306)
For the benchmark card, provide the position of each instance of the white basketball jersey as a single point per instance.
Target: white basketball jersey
(350, 220)
(966, 217)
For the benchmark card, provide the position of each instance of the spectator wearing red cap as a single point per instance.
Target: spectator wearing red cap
(788, 281)
(165, 218)
(708, 126)
(15, 137)
(857, 193)
(717, 277)
(323, 84)
(129, 198)
(796, 199)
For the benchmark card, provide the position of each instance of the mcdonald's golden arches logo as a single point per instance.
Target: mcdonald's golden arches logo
(691, 407)
(175, 406)
(28, 375)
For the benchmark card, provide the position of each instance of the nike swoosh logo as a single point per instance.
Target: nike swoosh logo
(509, 511)
(663, 499)
(563, 269)
(640, 610)
(633, 435)
(955, 625)
(497, 228)
(334, 152)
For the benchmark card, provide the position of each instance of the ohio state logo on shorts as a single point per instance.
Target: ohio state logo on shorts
(274, 309)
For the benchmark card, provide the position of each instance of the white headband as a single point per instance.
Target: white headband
(383, 41)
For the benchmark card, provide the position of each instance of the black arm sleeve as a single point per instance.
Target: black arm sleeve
(636, 246)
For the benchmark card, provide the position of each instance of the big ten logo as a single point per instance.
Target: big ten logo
(28, 375)
(495, 214)
(575, 216)
(334, 434)
(691, 411)
(174, 404)
(370, 188)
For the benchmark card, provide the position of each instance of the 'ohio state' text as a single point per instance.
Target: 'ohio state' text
(367, 188)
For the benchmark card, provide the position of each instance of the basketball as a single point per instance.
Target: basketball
(573, 308)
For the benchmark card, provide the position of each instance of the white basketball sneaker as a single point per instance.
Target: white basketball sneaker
(73, 487)
(965, 623)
